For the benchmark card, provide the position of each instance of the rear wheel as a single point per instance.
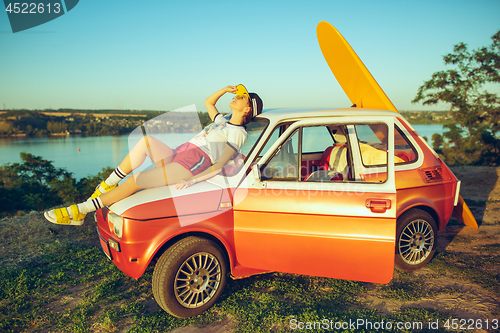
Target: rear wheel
(189, 277)
(416, 239)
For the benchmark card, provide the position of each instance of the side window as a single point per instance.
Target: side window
(310, 154)
(273, 138)
(403, 150)
(316, 139)
(372, 140)
(284, 164)
(323, 158)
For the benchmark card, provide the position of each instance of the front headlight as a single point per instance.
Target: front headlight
(116, 224)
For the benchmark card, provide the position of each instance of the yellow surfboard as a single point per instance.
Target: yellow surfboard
(462, 213)
(352, 75)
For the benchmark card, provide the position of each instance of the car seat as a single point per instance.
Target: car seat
(332, 166)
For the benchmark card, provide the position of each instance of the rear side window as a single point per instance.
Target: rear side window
(403, 149)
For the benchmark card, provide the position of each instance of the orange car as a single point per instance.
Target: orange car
(344, 193)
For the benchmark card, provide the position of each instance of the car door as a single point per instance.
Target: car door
(332, 228)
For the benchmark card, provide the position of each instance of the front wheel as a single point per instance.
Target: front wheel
(416, 239)
(189, 277)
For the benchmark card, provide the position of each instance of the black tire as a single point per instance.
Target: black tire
(416, 240)
(189, 277)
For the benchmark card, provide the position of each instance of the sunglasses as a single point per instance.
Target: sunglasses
(240, 97)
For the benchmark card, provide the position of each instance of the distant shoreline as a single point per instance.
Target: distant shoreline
(63, 122)
(49, 123)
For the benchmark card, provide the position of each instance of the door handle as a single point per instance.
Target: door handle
(378, 205)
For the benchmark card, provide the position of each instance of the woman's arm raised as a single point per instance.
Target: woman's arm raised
(212, 99)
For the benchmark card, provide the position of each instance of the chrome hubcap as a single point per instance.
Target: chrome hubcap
(197, 280)
(416, 242)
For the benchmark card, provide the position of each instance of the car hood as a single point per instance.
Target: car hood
(166, 201)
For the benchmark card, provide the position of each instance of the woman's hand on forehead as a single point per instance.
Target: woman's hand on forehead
(231, 89)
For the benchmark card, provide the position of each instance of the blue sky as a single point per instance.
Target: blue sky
(163, 55)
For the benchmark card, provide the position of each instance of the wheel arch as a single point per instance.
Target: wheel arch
(199, 234)
(428, 209)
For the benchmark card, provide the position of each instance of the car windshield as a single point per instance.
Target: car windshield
(255, 129)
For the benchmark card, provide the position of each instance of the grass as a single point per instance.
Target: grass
(405, 287)
(57, 279)
(40, 292)
(78, 290)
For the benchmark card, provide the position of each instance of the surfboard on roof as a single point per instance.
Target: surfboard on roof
(353, 76)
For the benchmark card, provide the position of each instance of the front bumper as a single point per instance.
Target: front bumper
(131, 257)
(105, 245)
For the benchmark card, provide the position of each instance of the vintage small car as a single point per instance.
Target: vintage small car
(341, 193)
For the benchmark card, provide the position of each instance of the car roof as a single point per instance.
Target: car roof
(276, 115)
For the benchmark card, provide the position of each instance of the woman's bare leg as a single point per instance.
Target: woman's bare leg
(168, 174)
(147, 146)
(165, 173)
(150, 147)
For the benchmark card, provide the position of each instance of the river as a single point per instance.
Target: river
(88, 155)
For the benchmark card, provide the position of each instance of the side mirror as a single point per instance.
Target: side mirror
(256, 177)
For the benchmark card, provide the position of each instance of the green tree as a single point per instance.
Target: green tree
(29, 130)
(27, 185)
(474, 108)
(35, 184)
(204, 119)
(38, 169)
(437, 142)
(5, 128)
(56, 127)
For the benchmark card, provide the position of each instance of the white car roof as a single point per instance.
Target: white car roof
(275, 115)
